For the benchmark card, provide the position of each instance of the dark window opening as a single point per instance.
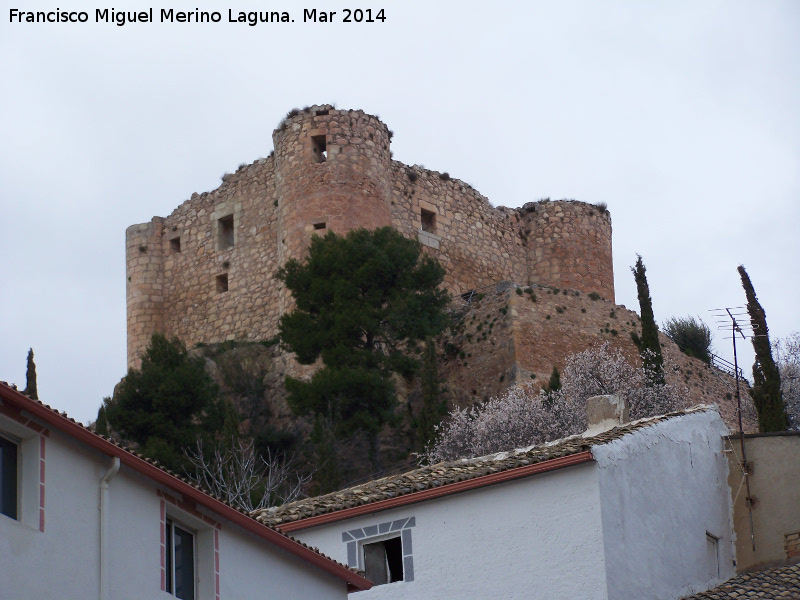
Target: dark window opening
(319, 148)
(8, 478)
(225, 237)
(428, 221)
(175, 245)
(383, 561)
(322, 113)
(318, 226)
(180, 562)
(222, 283)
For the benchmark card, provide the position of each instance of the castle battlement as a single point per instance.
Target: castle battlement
(206, 272)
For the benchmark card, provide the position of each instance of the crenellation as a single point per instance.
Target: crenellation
(332, 170)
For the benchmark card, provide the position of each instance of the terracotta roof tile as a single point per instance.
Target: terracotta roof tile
(781, 583)
(446, 473)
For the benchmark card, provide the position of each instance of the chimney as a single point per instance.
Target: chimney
(604, 413)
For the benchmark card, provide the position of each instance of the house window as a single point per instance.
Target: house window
(175, 245)
(222, 283)
(712, 553)
(428, 221)
(318, 226)
(383, 560)
(8, 477)
(225, 237)
(384, 550)
(319, 148)
(180, 561)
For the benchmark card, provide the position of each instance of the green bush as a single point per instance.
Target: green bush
(692, 336)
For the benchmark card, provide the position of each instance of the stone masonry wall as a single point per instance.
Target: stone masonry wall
(506, 338)
(477, 243)
(144, 288)
(207, 273)
(569, 246)
(195, 305)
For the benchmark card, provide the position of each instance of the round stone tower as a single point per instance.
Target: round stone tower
(331, 173)
(144, 289)
(569, 246)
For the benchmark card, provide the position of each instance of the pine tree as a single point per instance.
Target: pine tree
(167, 404)
(364, 301)
(766, 390)
(649, 346)
(30, 378)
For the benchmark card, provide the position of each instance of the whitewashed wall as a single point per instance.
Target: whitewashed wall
(63, 560)
(533, 538)
(661, 490)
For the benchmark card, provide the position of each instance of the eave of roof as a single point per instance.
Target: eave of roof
(769, 584)
(446, 478)
(147, 467)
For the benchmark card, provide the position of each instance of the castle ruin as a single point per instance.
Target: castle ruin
(206, 273)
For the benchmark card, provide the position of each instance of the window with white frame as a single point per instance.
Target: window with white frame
(180, 561)
(9, 482)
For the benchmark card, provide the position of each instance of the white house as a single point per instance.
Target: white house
(641, 511)
(84, 518)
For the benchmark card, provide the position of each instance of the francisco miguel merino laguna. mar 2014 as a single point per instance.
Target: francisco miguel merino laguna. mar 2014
(169, 15)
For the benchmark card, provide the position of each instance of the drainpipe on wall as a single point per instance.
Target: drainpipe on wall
(104, 500)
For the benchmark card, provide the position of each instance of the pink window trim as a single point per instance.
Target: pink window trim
(42, 450)
(192, 510)
(44, 433)
(163, 513)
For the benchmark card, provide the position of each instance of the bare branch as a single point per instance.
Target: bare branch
(242, 478)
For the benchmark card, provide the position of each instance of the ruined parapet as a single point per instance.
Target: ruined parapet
(144, 289)
(569, 246)
(331, 173)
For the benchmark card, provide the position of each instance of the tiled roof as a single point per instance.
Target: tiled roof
(445, 473)
(56, 418)
(782, 583)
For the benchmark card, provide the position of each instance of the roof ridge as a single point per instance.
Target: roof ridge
(447, 472)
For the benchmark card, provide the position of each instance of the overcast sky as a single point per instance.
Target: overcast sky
(684, 117)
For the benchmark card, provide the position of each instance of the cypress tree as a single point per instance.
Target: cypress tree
(101, 425)
(766, 390)
(649, 346)
(554, 384)
(30, 378)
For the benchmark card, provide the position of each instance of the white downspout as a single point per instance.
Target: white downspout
(104, 499)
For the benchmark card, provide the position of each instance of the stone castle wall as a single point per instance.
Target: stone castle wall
(207, 273)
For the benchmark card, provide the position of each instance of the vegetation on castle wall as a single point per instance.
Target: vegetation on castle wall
(692, 336)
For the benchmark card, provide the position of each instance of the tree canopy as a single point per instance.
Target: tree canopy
(363, 302)
(167, 404)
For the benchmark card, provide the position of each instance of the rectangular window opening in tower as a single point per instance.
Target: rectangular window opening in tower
(175, 245)
(225, 235)
(222, 283)
(318, 226)
(428, 221)
(319, 148)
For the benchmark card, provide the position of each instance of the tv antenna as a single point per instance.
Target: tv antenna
(727, 320)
